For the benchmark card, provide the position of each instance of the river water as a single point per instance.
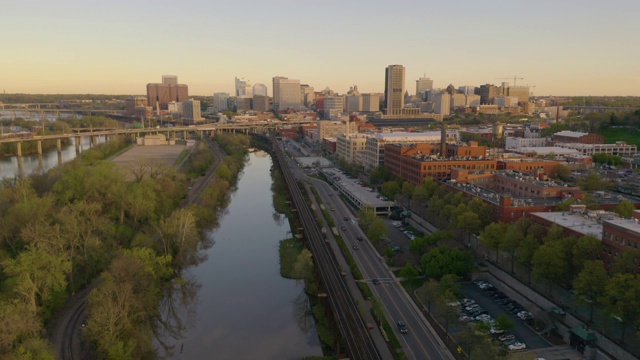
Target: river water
(244, 308)
(10, 166)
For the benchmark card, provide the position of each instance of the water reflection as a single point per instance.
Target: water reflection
(244, 308)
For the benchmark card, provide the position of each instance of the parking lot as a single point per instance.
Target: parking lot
(521, 330)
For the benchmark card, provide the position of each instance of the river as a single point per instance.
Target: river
(244, 308)
(10, 166)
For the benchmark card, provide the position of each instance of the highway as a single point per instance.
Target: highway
(421, 341)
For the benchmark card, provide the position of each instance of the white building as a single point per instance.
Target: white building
(514, 143)
(441, 102)
(288, 91)
(467, 90)
(331, 129)
(260, 89)
(347, 146)
(473, 100)
(370, 102)
(333, 106)
(620, 148)
(221, 101)
(505, 101)
(458, 101)
(353, 103)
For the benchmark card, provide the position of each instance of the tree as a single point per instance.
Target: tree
(625, 208)
(390, 189)
(303, 266)
(449, 283)
(180, 238)
(503, 322)
(409, 272)
(593, 182)
(407, 190)
(554, 233)
(589, 283)
(622, 300)
(526, 250)
(492, 236)
(450, 313)
(586, 248)
(511, 240)
(36, 274)
(444, 260)
(549, 263)
(428, 292)
(377, 230)
(18, 321)
(468, 222)
(627, 262)
(560, 172)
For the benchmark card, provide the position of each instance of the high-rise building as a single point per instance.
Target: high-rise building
(276, 90)
(191, 112)
(487, 92)
(521, 92)
(422, 85)
(467, 89)
(221, 101)
(394, 89)
(243, 88)
(370, 102)
(170, 80)
(288, 93)
(473, 100)
(333, 106)
(307, 94)
(159, 95)
(260, 103)
(260, 89)
(442, 103)
(458, 101)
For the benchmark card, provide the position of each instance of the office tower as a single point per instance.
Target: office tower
(243, 88)
(276, 90)
(333, 106)
(487, 92)
(423, 84)
(467, 90)
(131, 102)
(288, 91)
(260, 103)
(473, 100)
(159, 95)
(458, 101)
(370, 102)
(260, 89)
(191, 111)
(521, 92)
(170, 80)
(307, 94)
(394, 89)
(221, 101)
(353, 100)
(442, 103)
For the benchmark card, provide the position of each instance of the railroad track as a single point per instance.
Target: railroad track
(352, 327)
(70, 332)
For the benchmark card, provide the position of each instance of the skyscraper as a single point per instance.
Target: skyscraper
(394, 89)
(276, 90)
(159, 95)
(191, 111)
(423, 84)
(286, 93)
(221, 101)
(260, 89)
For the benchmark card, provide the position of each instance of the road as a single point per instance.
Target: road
(421, 341)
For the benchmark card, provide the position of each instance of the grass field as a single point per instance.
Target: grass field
(631, 136)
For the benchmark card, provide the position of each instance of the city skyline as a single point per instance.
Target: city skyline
(569, 48)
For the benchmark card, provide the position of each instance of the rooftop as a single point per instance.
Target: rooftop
(628, 224)
(568, 133)
(578, 222)
(409, 136)
(494, 197)
(532, 180)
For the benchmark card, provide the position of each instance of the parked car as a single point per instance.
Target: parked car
(517, 346)
(506, 337)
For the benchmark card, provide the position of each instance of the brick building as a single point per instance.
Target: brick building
(577, 137)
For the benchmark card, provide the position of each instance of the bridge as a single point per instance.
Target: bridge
(169, 132)
(597, 108)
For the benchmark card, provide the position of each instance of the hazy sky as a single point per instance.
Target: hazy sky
(563, 47)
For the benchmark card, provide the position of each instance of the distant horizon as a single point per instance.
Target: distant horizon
(572, 47)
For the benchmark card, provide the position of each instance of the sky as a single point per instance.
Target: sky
(562, 47)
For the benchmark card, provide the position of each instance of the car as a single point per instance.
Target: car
(396, 248)
(506, 337)
(343, 228)
(402, 327)
(483, 317)
(375, 281)
(495, 330)
(359, 238)
(346, 218)
(453, 303)
(465, 318)
(333, 209)
(355, 246)
(468, 302)
(330, 194)
(517, 346)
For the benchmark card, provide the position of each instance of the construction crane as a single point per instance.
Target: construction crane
(514, 79)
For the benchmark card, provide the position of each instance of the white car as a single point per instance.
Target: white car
(483, 317)
(517, 346)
